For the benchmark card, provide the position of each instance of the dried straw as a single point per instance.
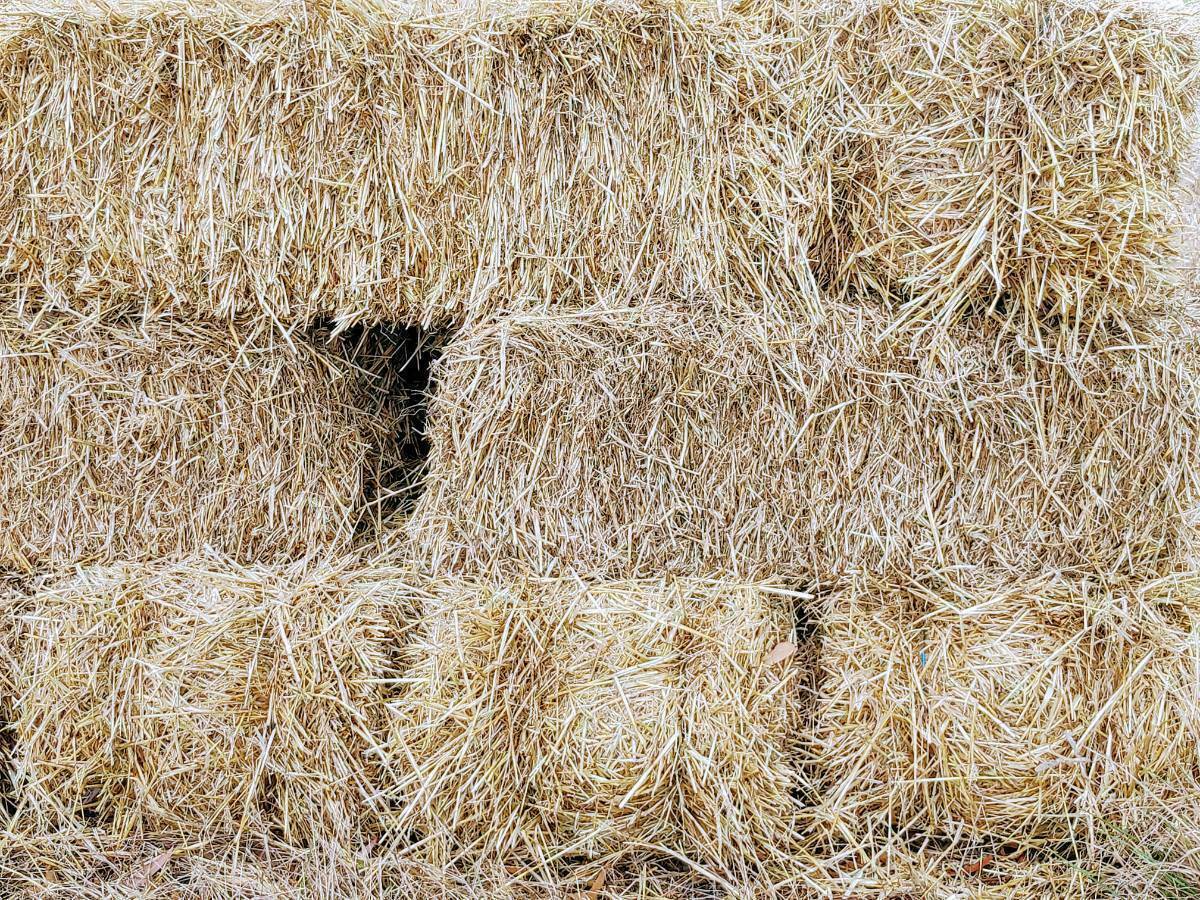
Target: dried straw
(375, 161)
(973, 711)
(428, 162)
(647, 441)
(129, 441)
(549, 720)
(57, 866)
(932, 873)
(1014, 153)
(204, 700)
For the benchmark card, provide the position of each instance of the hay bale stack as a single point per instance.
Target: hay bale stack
(366, 162)
(1014, 153)
(638, 442)
(133, 441)
(199, 699)
(977, 711)
(555, 718)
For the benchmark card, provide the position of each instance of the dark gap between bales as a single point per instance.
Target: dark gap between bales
(392, 364)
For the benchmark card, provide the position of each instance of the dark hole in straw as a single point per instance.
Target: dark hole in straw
(392, 365)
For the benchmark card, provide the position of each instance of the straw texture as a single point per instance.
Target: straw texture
(643, 441)
(810, 496)
(434, 162)
(553, 719)
(65, 867)
(1018, 154)
(973, 711)
(366, 161)
(202, 700)
(131, 441)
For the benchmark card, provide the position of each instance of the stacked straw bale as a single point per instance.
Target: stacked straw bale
(132, 441)
(357, 161)
(368, 161)
(549, 719)
(635, 442)
(200, 700)
(1014, 153)
(978, 711)
(685, 245)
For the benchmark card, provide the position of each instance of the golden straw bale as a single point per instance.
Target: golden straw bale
(1023, 153)
(644, 441)
(551, 719)
(978, 711)
(747, 690)
(610, 716)
(461, 759)
(131, 441)
(370, 161)
(202, 699)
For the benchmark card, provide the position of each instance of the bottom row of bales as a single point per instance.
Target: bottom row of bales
(332, 708)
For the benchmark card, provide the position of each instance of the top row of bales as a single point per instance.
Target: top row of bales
(365, 162)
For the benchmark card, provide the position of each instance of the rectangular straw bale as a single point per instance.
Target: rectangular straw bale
(204, 701)
(1019, 153)
(363, 161)
(645, 441)
(977, 711)
(545, 720)
(136, 440)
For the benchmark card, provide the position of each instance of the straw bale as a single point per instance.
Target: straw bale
(1014, 153)
(132, 441)
(202, 699)
(612, 721)
(976, 711)
(646, 441)
(552, 719)
(371, 161)
(462, 770)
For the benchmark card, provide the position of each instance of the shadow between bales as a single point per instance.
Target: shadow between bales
(391, 365)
